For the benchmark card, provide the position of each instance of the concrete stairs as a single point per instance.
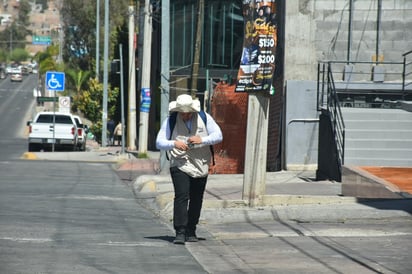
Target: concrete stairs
(378, 137)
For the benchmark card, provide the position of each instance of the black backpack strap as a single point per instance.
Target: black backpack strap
(172, 123)
(204, 118)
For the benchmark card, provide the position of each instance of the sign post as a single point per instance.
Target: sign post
(54, 82)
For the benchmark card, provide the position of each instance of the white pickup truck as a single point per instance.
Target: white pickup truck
(50, 128)
(82, 130)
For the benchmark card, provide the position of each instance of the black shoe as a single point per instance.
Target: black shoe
(191, 237)
(180, 238)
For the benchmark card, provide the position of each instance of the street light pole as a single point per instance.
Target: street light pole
(97, 38)
(60, 33)
(105, 72)
(11, 41)
(122, 94)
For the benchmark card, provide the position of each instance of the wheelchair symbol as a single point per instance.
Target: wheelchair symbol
(53, 83)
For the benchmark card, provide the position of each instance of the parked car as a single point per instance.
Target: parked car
(82, 131)
(50, 128)
(16, 77)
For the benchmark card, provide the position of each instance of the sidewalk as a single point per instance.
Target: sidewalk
(293, 194)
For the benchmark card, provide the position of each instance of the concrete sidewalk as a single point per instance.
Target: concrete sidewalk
(294, 195)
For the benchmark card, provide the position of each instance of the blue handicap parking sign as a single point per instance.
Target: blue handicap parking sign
(55, 80)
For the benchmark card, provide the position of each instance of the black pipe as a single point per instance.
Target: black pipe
(378, 26)
(350, 31)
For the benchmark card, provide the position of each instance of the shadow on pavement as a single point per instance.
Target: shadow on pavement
(389, 204)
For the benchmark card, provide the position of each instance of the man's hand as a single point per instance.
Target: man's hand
(181, 145)
(196, 140)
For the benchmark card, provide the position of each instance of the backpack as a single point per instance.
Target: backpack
(172, 123)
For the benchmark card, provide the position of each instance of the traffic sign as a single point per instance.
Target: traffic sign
(64, 104)
(55, 81)
(47, 99)
(41, 40)
(64, 101)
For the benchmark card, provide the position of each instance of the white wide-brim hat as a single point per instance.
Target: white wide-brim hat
(184, 103)
(172, 105)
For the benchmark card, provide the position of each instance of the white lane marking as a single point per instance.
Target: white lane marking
(132, 244)
(27, 240)
(110, 243)
(318, 233)
(105, 198)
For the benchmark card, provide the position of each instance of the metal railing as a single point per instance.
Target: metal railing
(368, 78)
(406, 73)
(328, 100)
(378, 80)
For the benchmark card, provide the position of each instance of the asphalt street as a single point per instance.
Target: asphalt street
(70, 217)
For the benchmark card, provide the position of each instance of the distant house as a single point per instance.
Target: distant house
(5, 19)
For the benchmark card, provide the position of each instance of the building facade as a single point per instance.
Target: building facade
(310, 31)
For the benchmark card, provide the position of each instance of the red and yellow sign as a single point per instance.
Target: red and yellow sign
(257, 64)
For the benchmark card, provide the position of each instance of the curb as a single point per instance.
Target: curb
(156, 192)
(314, 210)
(29, 156)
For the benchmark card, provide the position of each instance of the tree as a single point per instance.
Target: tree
(23, 15)
(78, 78)
(19, 55)
(18, 29)
(46, 59)
(3, 56)
(80, 33)
(90, 102)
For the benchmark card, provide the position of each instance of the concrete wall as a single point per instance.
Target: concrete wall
(317, 30)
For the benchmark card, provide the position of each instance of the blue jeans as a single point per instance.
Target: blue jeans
(188, 200)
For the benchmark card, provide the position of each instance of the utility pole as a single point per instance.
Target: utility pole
(131, 125)
(165, 72)
(145, 89)
(196, 59)
(254, 178)
(105, 72)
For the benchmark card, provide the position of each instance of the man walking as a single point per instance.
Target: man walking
(110, 129)
(187, 135)
(118, 132)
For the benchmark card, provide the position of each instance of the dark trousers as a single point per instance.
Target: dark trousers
(188, 199)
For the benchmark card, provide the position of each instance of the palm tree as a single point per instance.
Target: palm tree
(78, 78)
